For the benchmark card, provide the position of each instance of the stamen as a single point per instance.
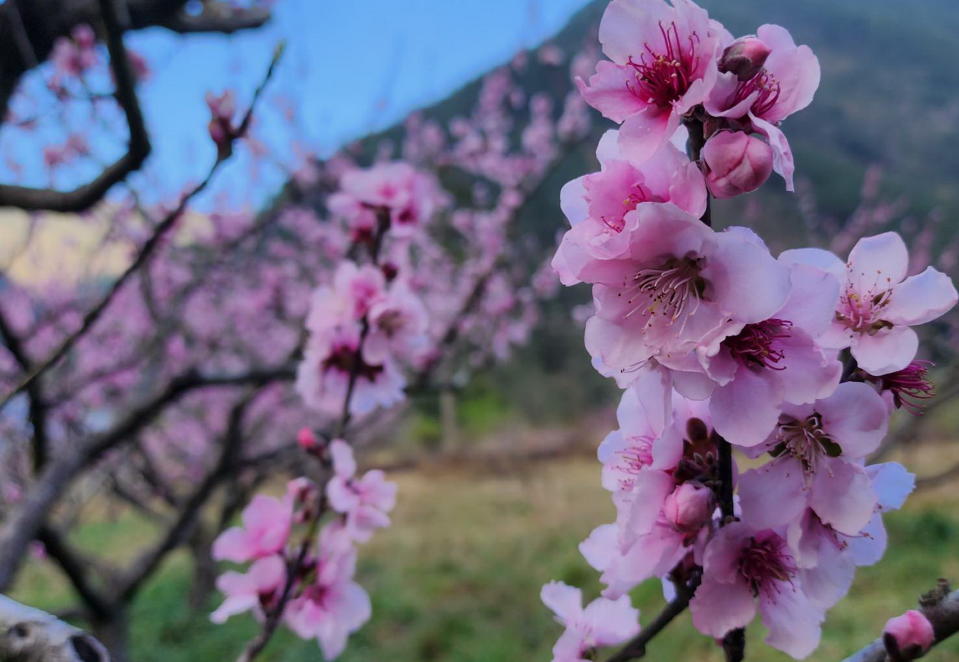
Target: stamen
(663, 77)
(755, 346)
(765, 563)
(670, 290)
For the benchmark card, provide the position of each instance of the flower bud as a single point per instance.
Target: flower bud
(745, 57)
(736, 163)
(908, 636)
(307, 440)
(689, 507)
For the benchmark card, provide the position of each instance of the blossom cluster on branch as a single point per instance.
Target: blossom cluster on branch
(796, 360)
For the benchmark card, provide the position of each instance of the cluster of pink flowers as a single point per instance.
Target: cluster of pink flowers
(797, 359)
(312, 580)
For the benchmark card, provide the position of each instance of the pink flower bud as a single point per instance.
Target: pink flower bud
(307, 440)
(689, 507)
(908, 636)
(744, 57)
(736, 163)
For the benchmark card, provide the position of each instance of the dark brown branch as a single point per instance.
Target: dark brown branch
(145, 253)
(940, 606)
(138, 149)
(23, 522)
(636, 648)
(76, 569)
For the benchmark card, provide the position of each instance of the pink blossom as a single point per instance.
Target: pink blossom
(329, 364)
(258, 589)
(265, 530)
(597, 204)
(332, 605)
(398, 326)
(878, 305)
(679, 283)
(366, 501)
(602, 623)
(903, 386)
(663, 65)
(656, 467)
(818, 450)
(908, 636)
(758, 367)
(410, 196)
(736, 163)
(743, 566)
(785, 84)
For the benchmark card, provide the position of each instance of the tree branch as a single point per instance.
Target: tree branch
(22, 524)
(138, 149)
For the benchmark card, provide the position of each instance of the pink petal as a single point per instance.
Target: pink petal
(921, 298)
(719, 607)
(772, 495)
(746, 410)
(877, 263)
(608, 91)
(885, 351)
(782, 154)
(842, 495)
(565, 601)
(794, 622)
(855, 417)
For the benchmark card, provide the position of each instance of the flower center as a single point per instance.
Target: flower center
(805, 440)
(766, 85)
(663, 76)
(669, 290)
(636, 194)
(633, 459)
(755, 347)
(346, 359)
(765, 562)
(861, 312)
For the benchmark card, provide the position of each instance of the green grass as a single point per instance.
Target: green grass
(458, 577)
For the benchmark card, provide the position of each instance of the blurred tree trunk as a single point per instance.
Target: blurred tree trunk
(449, 426)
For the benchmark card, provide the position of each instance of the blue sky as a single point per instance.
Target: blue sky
(351, 66)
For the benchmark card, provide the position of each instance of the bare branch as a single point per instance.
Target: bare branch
(23, 523)
(138, 149)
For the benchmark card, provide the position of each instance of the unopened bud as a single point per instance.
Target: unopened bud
(736, 163)
(689, 507)
(745, 57)
(908, 636)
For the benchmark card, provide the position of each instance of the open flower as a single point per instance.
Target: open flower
(878, 305)
(743, 566)
(679, 284)
(596, 204)
(365, 501)
(759, 366)
(256, 590)
(818, 450)
(663, 65)
(602, 623)
(266, 528)
(332, 605)
(784, 84)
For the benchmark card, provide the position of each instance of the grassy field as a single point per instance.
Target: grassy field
(458, 576)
